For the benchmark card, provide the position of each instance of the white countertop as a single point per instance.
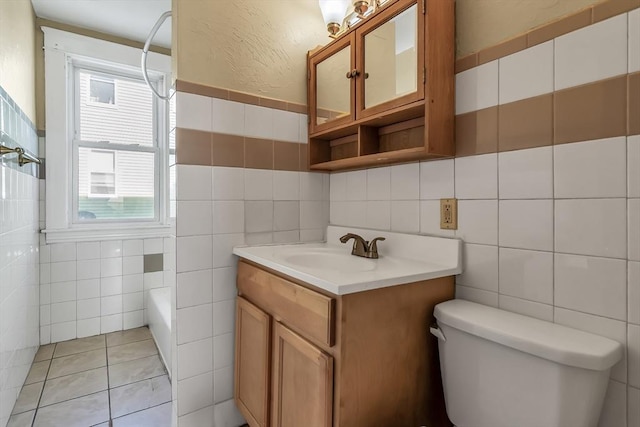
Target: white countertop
(404, 258)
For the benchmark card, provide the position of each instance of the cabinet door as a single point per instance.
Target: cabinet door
(391, 57)
(302, 382)
(332, 86)
(252, 363)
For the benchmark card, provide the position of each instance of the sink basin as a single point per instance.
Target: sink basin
(321, 260)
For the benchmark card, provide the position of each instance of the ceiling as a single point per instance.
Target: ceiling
(132, 19)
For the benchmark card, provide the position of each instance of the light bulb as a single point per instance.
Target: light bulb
(333, 12)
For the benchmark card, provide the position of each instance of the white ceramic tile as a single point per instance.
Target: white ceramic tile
(527, 274)
(314, 214)
(132, 247)
(592, 53)
(88, 288)
(88, 327)
(132, 265)
(591, 169)
(437, 179)
(195, 111)
(633, 286)
(224, 314)
(194, 253)
(63, 271)
(88, 269)
(477, 295)
(477, 88)
(478, 221)
(615, 406)
(378, 215)
(405, 216)
(223, 381)
(527, 73)
(224, 283)
(133, 319)
(45, 315)
(258, 216)
(354, 212)
(265, 238)
(430, 219)
(45, 293)
(379, 183)
(526, 308)
(356, 185)
(633, 407)
(63, 331)
(303, 127)
(199, 418)
(132, 302)
(633, 229)
(63, 291)
(63, 312)
(595, 227)
(111, 249)
(223, 351)
(193, 182)
(195, 358)
(633, 355)
(609, 328)
(286, 215)
(227, 116)
(526, 174)
(591, 285)
(286, 126)
(228, 183)
(132, 283)
(634, 41)
(88, 308)
(228, 217)
(405, 182)
(110, 305)
(338, 187)
(110, 267)
(480, 267)
(311, 186)
(286, 185)
(153, 280)
(195, 393)
(45, 251)
(194, 323)
(286, 237)
(45, 273)
(633, 166)
(477, 177)
(258, 122)
(153, 246)
(526, 224)
(111, 323)
(258, 184)
(337, 214)
(222, 249)
(193, 218)
(63, 252)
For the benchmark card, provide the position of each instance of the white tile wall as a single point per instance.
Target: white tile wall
(477, 88)
(527, 73)
(19, 296)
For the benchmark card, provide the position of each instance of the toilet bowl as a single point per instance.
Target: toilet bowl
(501, 369)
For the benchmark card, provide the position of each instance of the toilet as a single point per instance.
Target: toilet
(501, 369)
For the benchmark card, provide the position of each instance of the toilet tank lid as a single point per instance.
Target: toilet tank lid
(548, 340)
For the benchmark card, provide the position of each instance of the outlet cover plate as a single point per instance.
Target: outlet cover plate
(449, 214)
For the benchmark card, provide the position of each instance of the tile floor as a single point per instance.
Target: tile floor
(115, 380)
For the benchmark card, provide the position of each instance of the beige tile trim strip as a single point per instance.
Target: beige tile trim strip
(602, 109)
(583, 18)
(194, 147)
(245, 98)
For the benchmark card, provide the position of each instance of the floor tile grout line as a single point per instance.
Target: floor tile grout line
(145, 409)
(44, 383)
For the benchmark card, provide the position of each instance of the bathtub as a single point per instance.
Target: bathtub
(159, 316)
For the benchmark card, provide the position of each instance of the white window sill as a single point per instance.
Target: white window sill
(120, 232)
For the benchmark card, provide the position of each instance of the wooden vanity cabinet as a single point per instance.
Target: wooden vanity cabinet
(305, 357)
(383, 92)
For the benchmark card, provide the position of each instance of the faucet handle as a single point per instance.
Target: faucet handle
(372, 252)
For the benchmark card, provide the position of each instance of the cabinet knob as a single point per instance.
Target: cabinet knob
(353, 73)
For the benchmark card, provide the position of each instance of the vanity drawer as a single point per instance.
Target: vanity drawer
(310, 312)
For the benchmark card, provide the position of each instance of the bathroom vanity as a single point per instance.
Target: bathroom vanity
(324, 338)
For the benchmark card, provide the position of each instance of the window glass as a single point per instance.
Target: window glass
(102, 91)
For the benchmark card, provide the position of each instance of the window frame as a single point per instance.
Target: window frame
(64, 53)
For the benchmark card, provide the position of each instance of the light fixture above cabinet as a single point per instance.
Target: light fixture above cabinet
(341, 15)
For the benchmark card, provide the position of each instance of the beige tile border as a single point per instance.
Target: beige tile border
(566, 24)
(245, 98)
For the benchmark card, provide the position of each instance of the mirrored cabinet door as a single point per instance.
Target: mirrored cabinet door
(334, 86)
(392, 59)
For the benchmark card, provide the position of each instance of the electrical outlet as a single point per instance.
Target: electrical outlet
(449, 214)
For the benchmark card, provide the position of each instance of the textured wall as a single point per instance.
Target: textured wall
(17, 58)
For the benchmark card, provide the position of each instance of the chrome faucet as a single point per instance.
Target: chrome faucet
(361, 247)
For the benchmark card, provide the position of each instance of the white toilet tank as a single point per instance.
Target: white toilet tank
(501, 369)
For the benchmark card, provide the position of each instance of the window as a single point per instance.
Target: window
(102, 91)
(107, 137)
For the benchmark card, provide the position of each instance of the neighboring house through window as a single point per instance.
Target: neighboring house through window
(107, 159)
